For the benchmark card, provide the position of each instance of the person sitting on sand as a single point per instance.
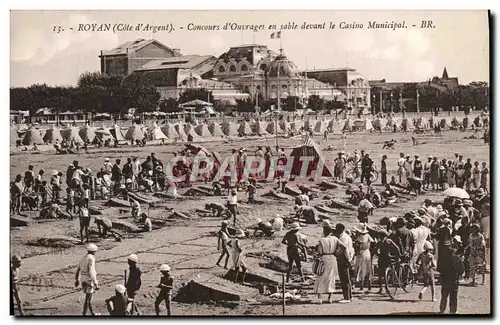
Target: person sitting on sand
(136, 209)
(145, 223)
(117, 304)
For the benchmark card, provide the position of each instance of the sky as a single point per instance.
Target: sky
(459, 41)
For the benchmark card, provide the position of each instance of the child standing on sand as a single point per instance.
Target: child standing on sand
(427, 264)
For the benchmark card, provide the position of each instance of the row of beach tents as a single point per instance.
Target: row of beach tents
(180, 131)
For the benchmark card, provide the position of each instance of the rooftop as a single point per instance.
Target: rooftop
(179, 62)
(331, 69)
(133, 46)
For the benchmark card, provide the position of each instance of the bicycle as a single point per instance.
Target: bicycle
(398, 275)
(354, 173)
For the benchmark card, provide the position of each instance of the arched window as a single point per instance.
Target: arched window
(263, 67)
(284, 86)
(221, 69)
(232, 68)
(244, 68)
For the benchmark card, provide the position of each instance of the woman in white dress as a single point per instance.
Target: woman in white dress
(325, 283)
(363, 261)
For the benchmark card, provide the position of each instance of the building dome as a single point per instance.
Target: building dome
(287, 69)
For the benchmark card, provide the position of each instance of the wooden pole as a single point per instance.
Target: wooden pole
(284, 300)
(125, 278)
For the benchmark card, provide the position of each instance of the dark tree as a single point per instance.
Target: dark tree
(316, 103)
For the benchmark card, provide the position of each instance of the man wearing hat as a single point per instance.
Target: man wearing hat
(87, 275)
(15, 265)
(166, 285)
(383, 170)
(417, 167)
(133, 283)
(344, 262)
(295, 246)
(222, 240)
(232, 204)
(427, 172)
(366, 168)
(136, 170)
(117, 304)
(107, 167)
(404, 238)
(55, 182)
(401, 167)
(237, 255)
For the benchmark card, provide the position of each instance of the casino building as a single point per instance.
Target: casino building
(244, 71)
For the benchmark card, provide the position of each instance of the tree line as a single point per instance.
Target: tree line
(475, 94)
(102, 93)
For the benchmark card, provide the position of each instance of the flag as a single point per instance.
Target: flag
(276, 35)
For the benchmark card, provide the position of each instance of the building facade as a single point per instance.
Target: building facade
(354, 86)
(246, 71)
(131, 56)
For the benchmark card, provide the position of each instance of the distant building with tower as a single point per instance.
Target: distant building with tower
(245, 71)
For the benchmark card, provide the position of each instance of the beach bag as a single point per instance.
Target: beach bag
(318, 266)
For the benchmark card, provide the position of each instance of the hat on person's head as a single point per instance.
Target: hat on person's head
(150, 173)
(475, 226)
(419, 219)
(400, 222)
(363, 230)
(233, 192)
(92, 247)
(442, 213)
(428, 245)
(54, 173)
(258, 220)
(430, 157)
(164, 268)
(106, 159)
(447, 222)
(128, 181)
(439, 207)
(71, 165)
(133, 258)
(384, 156)
(295, 226)
(457, 239)
(421, 211)
(277, 215)
(480, 191)
(239, 234)
(120, 288)
(326, 224)
(225, 223)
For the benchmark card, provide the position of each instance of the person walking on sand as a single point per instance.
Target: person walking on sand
(237, 255)
(450, 272)
(363, 260)
(295, 246)
(84, 217)
(477, 255)
(326, 248)
(426, 265)
(133, 284)
(87, 275)
(222, 240)
(15, 265)
(344, 263)
(166, 283)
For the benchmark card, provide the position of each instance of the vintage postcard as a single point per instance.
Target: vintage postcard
(261, 163)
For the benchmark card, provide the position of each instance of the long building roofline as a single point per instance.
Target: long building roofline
(331, 69)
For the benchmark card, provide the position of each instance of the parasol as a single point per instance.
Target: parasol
(456, 192)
